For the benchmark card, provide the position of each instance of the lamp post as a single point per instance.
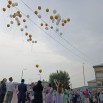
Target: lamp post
(40, 76)
(22, 73)
(83, 74)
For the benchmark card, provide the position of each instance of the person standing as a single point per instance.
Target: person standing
(3, 90)
(86, 94)
(65, 96)
(38, 98)
(49, 94)
(10, 88)
(22, 88)
(101, 97)
(59, 94)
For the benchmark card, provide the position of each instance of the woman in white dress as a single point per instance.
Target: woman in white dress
(59, 94)
(14, 99)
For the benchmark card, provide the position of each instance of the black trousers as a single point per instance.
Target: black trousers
(2, 98)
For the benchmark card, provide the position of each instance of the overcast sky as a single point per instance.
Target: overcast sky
(81, 42)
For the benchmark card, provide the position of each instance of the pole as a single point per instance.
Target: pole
(21, 74)
(83, 74)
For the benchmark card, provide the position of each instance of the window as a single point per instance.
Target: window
(99, 75)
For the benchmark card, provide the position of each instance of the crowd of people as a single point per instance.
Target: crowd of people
(36, 93)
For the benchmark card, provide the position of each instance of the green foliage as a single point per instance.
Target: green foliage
(61, 76)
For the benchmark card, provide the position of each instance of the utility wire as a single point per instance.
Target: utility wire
(51, 36)
(58, 34)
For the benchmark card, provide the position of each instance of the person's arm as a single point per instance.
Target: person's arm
(56, 83)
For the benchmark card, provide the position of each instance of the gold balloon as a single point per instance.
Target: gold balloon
(18, 12)
(51, 17)
(14, 15)
(36, 12)
(47, 10)
(26, 34)
(8, 6)
(18, 24)
(62, 24)
(41, 24)
(39, 7)
(51, 27)
(20, 15)
(37, 65)
(4, 9)
(8, 25)
(10, 2)
(65, 21)
(40, 71)
(30, 39)
(56, 17)
(24, 20)
(46, 24)
(30, 36)
(68, 19)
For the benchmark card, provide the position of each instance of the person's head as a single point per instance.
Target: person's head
(4, 80)
(10, 79)
(86, 89)
(39, 82)
(22, 81)
(49, 85)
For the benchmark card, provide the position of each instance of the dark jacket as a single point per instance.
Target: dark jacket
(38, 94)
(22, 88)
(3, 88)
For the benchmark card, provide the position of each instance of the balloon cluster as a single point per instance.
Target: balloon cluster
(54, 18)
(18, 18)
(40, 70)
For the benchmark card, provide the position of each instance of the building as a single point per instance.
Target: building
(92, 83)
(99, 74)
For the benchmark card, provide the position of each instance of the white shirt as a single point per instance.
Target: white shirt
(101, 97)
(10, 86)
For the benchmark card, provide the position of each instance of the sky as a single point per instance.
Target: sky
(81, 42)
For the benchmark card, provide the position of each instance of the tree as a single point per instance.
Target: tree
(61, 76)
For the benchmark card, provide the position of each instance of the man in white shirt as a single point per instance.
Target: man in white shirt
(10, 88)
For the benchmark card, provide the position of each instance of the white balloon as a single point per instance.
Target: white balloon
(54, 11)
(35, 41)
(11, 22)
(16, 19)
(16, 4)
(11, 15)
(39, 16)
(46, 28)
(27, 16)
(53, 20)
(22, 29)
(13, 4)
(61, 33)
(26, 26)
(62, 20)
(57, 23)
(57, 30)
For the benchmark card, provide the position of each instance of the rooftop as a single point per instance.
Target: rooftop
(92, 81)
(101, 65)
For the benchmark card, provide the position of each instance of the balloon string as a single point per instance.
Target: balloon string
(31, 47)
